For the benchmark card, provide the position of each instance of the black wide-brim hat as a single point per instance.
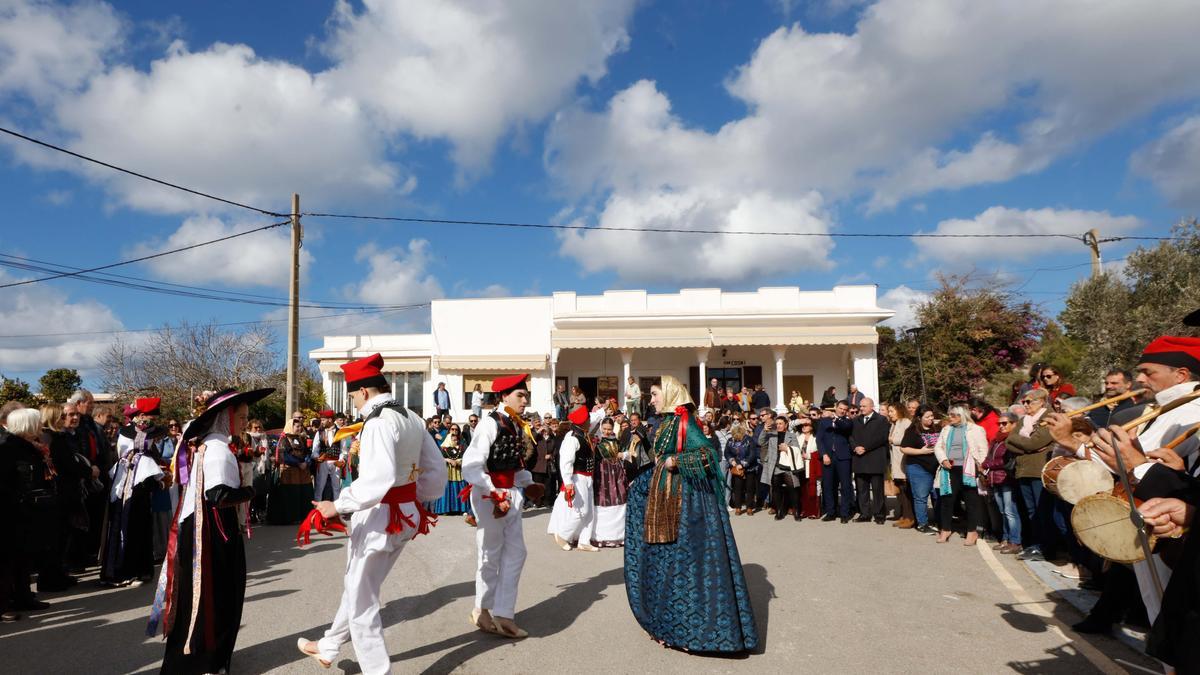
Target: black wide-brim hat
(223, 400)
(1192, 319)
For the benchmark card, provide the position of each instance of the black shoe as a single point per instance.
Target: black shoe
(845, 520)
(880, 521)
(924, 529)
(779, 516)
(30, 605)
(1093, 626)
(829, 518)
(862, 519)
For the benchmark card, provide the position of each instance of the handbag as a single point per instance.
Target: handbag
(795, 477)
(738, 470)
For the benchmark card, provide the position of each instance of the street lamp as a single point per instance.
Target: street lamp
(915, 334)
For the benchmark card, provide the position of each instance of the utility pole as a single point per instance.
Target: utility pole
(293, 356)
(1092, 239)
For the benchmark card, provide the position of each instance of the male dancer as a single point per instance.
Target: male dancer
(400, 467)
(493, 466)
(328, 455)
(573, 518)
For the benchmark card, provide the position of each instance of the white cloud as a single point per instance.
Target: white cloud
(47, 48)
(904, 302)
(259, 259)
(225, 121)
(1172, 163)
(959, 253)
(39, 309)
(396, 276)
(906, 105)
(469, 71)
(650, 257)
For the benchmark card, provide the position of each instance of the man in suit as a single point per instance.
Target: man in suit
(833, 444)
(855, 397)
(870, 442)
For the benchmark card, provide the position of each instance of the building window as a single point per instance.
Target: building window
(414, 390)
(484, 380)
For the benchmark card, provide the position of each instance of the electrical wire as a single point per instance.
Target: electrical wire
(181, 290)
(144, 258)
(143, 176)
(605, 228)
(396, 309)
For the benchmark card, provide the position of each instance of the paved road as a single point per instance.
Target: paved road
(843, 598)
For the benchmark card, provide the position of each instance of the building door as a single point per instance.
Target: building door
(588, 386)
(800, 383)
(644, 383)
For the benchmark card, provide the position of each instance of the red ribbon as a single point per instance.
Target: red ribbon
(315, 522)
(569, 493)
(501, 479)
(682, 413)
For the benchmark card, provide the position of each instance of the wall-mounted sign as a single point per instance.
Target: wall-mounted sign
(734, 363)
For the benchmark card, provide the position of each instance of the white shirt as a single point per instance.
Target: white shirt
(1170, 424)
(220, 468)
(393, 449)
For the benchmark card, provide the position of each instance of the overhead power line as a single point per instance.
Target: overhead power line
(181, 290)
(680, 230)
(144, 258)
(143, 176)
(390, 310)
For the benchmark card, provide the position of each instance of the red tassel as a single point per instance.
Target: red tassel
(464, 495)
(314, 521)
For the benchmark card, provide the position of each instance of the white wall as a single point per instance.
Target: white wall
(491, 326)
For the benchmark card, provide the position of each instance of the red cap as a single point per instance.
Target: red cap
(1174, 351)
(364, 372)
(147, 406)
(503, 385)
(327, 414)
(578, 416)
(130, 411)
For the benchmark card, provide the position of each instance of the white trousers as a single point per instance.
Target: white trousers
(1150, 596)
(578, 521)
(370, 555)
(327, 471)
(501, 544)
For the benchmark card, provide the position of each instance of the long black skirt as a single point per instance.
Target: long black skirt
(222, 595)
(129, 546)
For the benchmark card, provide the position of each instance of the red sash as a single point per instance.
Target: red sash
(406, 494)
(397, 519)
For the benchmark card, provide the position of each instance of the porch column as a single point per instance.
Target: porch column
(702, 357)
(554, 378)
(866, 370)
(780, 403)
(327, 387)
(626, 359)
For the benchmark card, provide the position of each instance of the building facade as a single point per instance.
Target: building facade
(782, 338)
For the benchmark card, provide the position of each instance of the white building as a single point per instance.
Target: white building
(783, 338)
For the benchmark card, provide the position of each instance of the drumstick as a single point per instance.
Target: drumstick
(1182, 437)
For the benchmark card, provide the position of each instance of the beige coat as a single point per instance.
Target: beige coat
(895, 436)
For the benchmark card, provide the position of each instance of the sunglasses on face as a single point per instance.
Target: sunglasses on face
(1047, 376)
(1026, 401)
(1005, 424)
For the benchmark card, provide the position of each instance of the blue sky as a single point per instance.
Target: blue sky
(839, 116)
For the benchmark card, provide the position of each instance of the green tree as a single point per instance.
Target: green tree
(972, 332)
(1116, 315)
(59, 383)
(16, 390)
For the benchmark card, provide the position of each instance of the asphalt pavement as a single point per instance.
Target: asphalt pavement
(836, 598)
